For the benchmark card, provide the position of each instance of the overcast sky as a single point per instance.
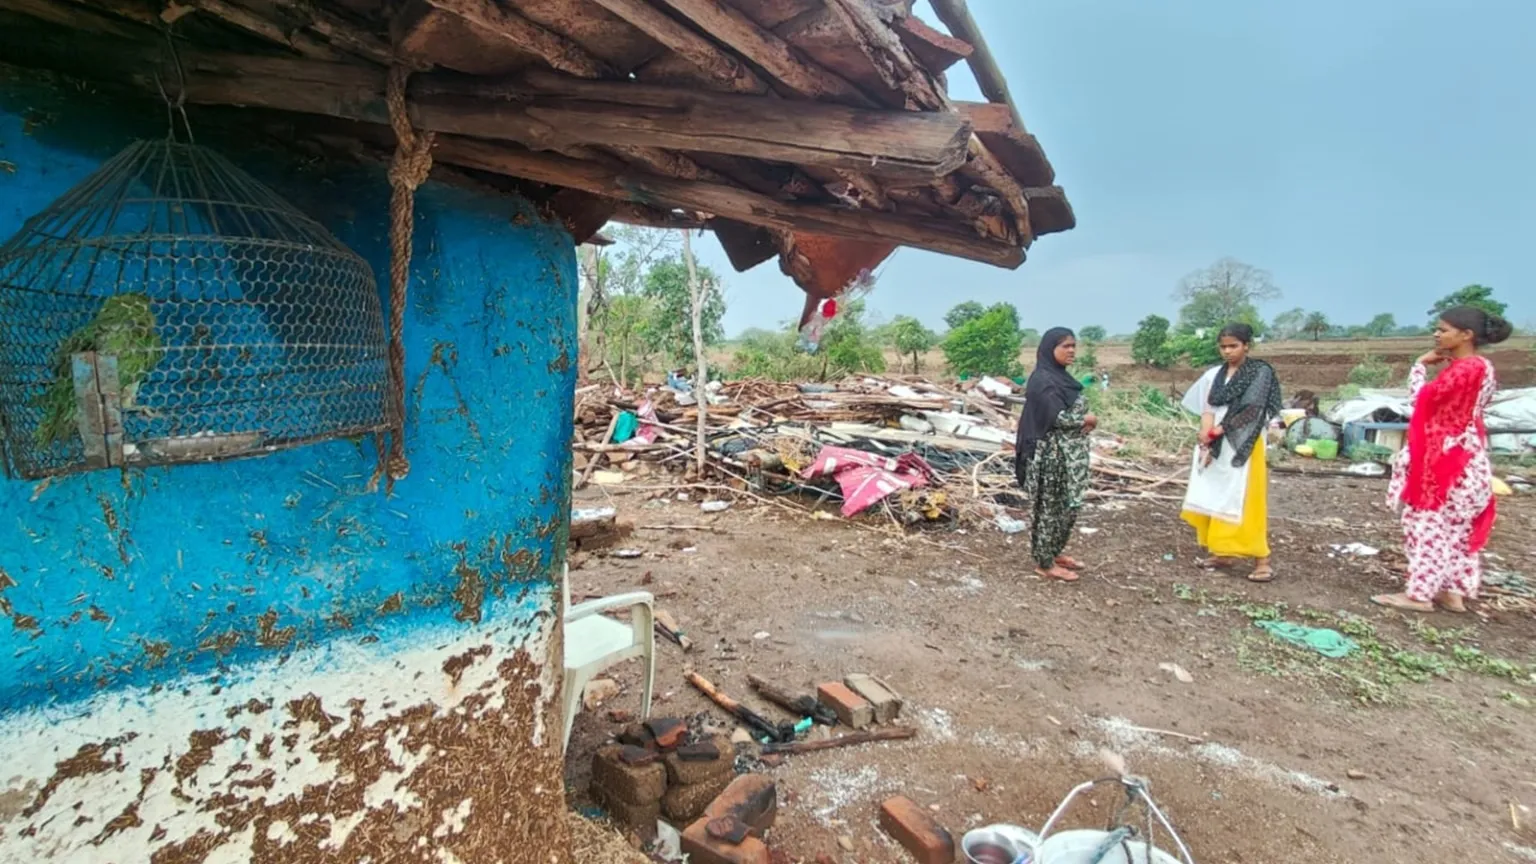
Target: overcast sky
(1372, 154)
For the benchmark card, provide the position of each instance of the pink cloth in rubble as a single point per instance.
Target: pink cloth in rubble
(866, 478)
(646, 412)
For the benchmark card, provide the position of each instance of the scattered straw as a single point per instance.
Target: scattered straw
(599, 841)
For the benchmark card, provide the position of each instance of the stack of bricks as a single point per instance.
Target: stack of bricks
(860, 701)
(655, 770)
(696, 774)
(629, 778)
(732, 827)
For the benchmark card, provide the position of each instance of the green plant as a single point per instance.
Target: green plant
(1317, 326)
(909, 337)
(1371, 371)
(986, 345)
(1149, 345)
(1093, 334)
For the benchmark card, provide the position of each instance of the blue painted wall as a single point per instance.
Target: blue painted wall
(112, 578)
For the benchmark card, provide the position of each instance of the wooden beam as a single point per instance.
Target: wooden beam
(874, 142)
(745, 245)
(935, 50)
(984, 169)
(957, 17)
(556, 50)
(256, 25)
(768, 51)
(1049, 210)
(1016, 149)
(717, 65)
(545, 111)
(726, 201)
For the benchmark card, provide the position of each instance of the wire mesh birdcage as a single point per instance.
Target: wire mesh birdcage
(169, 309)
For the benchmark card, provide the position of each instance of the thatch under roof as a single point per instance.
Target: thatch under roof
(817, 131)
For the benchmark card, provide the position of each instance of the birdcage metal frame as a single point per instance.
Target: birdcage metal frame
(170, 309)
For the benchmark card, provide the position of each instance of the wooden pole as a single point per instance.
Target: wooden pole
(696, 294)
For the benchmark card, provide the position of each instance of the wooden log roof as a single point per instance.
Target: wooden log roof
(817, 131)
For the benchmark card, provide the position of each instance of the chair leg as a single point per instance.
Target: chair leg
(649, 658)
(575, 683)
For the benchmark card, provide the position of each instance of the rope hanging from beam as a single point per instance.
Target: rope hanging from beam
(408, 169)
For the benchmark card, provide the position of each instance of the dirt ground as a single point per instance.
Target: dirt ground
(1016, 684)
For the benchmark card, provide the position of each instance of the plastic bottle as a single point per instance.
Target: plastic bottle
(826, 310)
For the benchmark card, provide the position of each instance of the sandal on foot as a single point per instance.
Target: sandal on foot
(1400, 601)
(1216, 565)
(1450, 602)
(1262, 574)
(1068, 563)
(1057, 573)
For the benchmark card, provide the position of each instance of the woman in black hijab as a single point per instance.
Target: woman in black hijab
(1051, 453)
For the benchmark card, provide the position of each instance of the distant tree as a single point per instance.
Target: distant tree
(987, 345)
(670, 329)
(1479, 296)
(1226, 291)
(1093, 334)
(1317, 326)
(963, 313)
(1382, 325)
(1029, 336)
(1289, 325)
(909, 337)
(1149, 344)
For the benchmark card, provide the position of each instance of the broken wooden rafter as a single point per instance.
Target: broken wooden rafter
(1015, 148)
(771, 53)
(889, 56)
(729, 202)
(985, 170)
(937, 51)
(957, 17)
(717, 65)
(250, 22)
(554, 49)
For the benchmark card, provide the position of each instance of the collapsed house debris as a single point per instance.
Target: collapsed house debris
(923, 452)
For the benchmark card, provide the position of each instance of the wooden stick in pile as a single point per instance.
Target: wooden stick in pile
(586, 473)
(899, 733)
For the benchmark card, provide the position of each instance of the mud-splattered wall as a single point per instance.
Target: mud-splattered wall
(259, 659)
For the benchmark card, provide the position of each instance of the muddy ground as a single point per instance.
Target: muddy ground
(1412, 750)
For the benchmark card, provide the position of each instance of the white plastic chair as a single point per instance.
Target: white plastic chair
(593, 642)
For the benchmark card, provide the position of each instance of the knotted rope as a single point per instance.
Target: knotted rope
(408, 169)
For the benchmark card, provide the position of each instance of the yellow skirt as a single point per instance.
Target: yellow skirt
(1249, 538)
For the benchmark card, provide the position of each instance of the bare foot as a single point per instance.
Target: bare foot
(1068, 563)
(1060, 574)
(1450, 601)
(1402, 601)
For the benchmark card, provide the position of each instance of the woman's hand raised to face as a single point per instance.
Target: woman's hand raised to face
(1433, 358)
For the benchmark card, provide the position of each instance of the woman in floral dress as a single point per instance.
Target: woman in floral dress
(1051, 453)
(1442, 482)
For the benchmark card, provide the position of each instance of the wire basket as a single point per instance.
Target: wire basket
(171, 309)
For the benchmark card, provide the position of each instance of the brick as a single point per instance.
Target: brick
(640, 818)
(700, 848)
(912, 827)
(637, 755)
(687, 803)
(630, 784)
(727, 828)
(637, 735)
(668, 733)
(685, 771)
(752, 799)
(850, 707)
(884, 700)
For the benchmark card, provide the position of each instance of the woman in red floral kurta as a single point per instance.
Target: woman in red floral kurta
(1442, 481)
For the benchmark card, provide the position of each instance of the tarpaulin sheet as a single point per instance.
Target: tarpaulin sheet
(867, 478)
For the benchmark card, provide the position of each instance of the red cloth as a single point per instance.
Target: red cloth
(1445, 408)
(866, 478)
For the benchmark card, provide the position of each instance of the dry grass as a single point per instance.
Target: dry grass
(600, 842)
